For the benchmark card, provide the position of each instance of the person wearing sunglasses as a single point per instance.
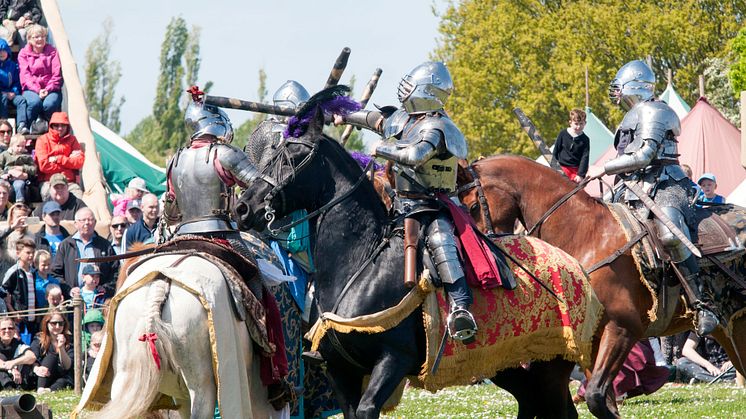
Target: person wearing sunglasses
(6, 132)
(16, 357)
(54, 351)
(117, 229)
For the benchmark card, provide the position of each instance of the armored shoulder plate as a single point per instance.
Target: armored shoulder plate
(454, 140)
(656, 119)
(394, 124)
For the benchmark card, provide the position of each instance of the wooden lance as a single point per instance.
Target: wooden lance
(367, 93)
(338, 69)
(535, 136)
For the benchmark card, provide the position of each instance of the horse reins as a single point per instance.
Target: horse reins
(476, 183)
(561, 201)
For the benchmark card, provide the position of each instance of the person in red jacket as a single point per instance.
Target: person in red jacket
(58, 151)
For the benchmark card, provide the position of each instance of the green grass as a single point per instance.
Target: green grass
(486, 401)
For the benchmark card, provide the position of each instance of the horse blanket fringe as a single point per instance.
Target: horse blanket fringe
(515, 326)
(225, 353)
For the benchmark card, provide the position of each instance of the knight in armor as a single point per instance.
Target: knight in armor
(648, 158)
(200, 178)
(425, 145)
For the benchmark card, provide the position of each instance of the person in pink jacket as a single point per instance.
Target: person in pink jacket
(41, 80)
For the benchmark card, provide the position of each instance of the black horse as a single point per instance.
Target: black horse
(318, 175)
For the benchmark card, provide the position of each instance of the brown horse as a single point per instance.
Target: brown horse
(517, 188)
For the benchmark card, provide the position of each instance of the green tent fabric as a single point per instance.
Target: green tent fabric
(675, 101)
(121, 162)
(601, 137)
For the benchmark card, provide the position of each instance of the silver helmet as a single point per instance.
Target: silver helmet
(633, 83)
(291, 94)
(426, 88)
(204, 119)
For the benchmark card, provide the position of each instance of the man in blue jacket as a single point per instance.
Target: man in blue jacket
(10, 89)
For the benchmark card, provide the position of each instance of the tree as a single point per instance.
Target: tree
(101, 78)
(160, 134)
(504, 54)
(719, 91)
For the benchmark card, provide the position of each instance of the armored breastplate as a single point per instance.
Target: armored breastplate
(199, 191)
(436, 175)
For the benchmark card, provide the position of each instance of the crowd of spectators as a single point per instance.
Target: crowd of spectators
(41, 273)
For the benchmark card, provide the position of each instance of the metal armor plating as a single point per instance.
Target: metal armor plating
(203, 199)
(675, 248)
(647, 138)
(441, 243)
(426, 154)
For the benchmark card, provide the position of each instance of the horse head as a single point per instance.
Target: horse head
(499, 205)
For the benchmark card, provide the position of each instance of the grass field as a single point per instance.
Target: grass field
(486, 401)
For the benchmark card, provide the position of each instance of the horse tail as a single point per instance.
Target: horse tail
(142, 370)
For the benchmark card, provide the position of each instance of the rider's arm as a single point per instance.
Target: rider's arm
(415, 154)
(372, 120)
(636, 160)
(238, 164)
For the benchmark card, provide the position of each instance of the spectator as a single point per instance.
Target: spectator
(58, 151)
(117, 227)
(18, 219)
(19, 288)
(572, 147)
(134, 190)
(10, 86)
(90, 292)
(20, 15)
(18, 167)
(53, 347)
(54, 296)
(143, 230)
(6, 131)
(42, 278)
(93, 321)
(16, 357)
(51, 235)
(134, 211)
(41, 79)
(96, 339)
(4, 199)
(708, 183)
(703, 359)
(85, 243)
(59, 192)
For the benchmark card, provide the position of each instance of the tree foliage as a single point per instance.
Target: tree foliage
(532, 54)
(160, 134)
(719, 90)
(101, 77)
(241, 136)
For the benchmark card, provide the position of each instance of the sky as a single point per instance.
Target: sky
(297, 40)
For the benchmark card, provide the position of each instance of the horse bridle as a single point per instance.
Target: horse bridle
(277, 187)
(483, 204)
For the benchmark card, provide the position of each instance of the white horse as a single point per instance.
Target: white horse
(188, 309)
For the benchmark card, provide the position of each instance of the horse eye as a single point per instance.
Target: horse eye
(474, 207)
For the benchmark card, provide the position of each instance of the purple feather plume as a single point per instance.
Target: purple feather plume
(363, 159)
(339, 105)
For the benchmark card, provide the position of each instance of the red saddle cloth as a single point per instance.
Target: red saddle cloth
(479, 264)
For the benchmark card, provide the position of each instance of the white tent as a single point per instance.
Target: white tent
(675, 101)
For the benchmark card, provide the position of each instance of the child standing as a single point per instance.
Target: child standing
(42, 263)
(572, 147)
(18, 286)
(90, 293)
(18, 165)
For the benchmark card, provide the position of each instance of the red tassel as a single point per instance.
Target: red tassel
(151, 338)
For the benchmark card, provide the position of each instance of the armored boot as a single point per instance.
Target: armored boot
(442, 246)
(698, 296)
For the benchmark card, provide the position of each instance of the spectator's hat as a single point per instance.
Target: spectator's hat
(709, 176)
(57, 179)
(59, 118)
(50, 207)
(91, 269)
(139, 184)
(134, 204)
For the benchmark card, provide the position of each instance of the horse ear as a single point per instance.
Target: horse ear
(463, 175)
(316, 128)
